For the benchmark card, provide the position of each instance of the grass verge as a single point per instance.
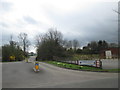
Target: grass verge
(82, 68)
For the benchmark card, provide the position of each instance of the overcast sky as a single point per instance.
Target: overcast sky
(84, 20)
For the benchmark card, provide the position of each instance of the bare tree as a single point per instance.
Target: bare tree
(75, 44)
(69, 44)
(116, 11)
(50, 46)
(54, 35)
(39, 39)
(64, 43)
(24, 42)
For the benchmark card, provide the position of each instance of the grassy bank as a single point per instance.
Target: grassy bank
(82, 68)
(85, 57)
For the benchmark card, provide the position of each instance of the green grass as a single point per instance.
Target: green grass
(78, 67)
(113, 70)
(85, 57)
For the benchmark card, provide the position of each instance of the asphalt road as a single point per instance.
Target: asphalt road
(0, 58)
(21, 75)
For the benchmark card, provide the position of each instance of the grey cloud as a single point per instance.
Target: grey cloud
(30, 20)
(95, 23)
(3, 24)
(5, 6)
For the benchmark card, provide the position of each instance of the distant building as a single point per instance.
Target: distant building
(110, 53)
(31, 54)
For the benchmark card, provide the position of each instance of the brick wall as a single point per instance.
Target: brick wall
(115, 52)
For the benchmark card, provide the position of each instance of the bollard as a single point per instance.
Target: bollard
(99, 63)
(36, 68)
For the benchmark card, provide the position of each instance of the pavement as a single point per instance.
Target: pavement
(21, 75)
(0, 59)
(110, 63)
(106, 63)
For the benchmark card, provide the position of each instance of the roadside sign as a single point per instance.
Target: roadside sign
(108, 54)
(12, 57)
(95, 63)
(99, 63)
(36, 67)
(36, 64)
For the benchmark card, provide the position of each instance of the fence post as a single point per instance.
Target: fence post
(77, 62)
(99, 63)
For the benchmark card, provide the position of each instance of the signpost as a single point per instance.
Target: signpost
(98, 63)
(95, 63)
(108, 54)
(91, 63)
(12, 57)
(36, 68)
